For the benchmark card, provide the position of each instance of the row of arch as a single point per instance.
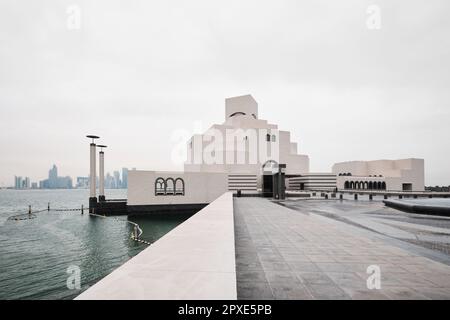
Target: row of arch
(169, 187)
(365, 185)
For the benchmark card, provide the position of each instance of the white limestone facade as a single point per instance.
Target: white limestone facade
(243, 151)
(391, 175)
(167, 188)
(313, 181)
(244, 145)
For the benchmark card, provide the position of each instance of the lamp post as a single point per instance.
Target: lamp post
(101, 187)
(93, 174)
(281, 181)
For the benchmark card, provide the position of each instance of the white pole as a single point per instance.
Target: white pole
(101, 195)
(93, 172)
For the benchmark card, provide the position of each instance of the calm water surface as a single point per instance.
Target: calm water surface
(36, 253)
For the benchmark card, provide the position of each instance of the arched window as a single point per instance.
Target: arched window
(366, 185)
(383, 186)
(268, 137)
(274, 138)
(170, 186)
(375, 185)
(237, 114)
(370, 185)
(346, 185)
(160, 187)
(379, 185)
(352, 185)
(179, 187)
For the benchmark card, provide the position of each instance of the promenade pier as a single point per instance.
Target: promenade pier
(254, 248)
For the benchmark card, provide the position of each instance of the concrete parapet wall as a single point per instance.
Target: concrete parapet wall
(196, 260)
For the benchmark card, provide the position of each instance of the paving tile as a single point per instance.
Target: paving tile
(403, 293)
(434, 293)
(270, 257)
(251, 275)
(243, 264)
(364, 294)
(285, 291)
(281, 254)
(281, 277)
(295, 257)
(254, 290)
(275, 266)
(331, 267)
(300, 266)
(327, 292)
(314, 278)
(320, 258)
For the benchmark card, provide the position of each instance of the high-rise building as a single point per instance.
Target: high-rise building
(117, 182)
(26, 183)
(82, 182)
(53, 177)
(109, 181)
(18, 184)
(124, 178)
(55, 182)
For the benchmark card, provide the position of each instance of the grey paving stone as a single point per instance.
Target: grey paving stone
(284, 291)
(331, 267)
(434, 293)
(300, 266)
(254, 290)
(251, 275)
(364, 294)
(321, 258)
(282, 277)
(403, 293)
(327, 292)
(314, 278)
(295, 257)
(274, 266)
(281, 254)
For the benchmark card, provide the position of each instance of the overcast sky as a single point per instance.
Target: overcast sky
(135, 72)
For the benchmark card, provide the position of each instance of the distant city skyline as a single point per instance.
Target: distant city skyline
(119, 180)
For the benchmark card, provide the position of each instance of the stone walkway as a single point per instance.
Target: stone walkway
(285, 254)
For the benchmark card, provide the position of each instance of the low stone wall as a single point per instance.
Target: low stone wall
(441, 209)
(196, 260)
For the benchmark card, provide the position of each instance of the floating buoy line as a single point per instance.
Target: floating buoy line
(135, 234)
